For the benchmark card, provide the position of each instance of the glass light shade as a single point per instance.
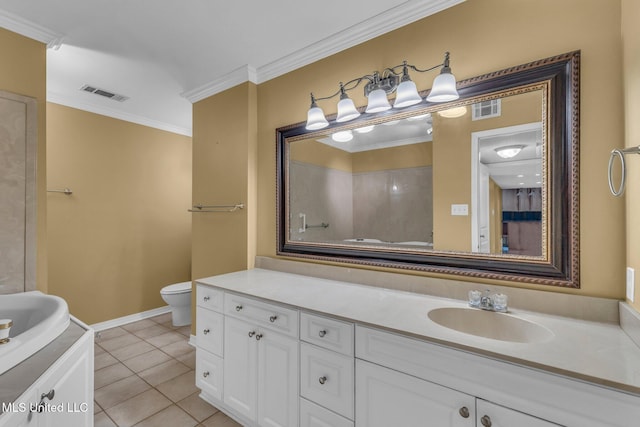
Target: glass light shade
(509, 152)
(378, 102)
(342, 136)
(444, 89)
(346, 110)
(316, 119)
(406, 95)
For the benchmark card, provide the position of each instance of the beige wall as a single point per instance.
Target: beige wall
(224, 173)
(125, 232)
(631, 73)
(483, 36)
(24, 72)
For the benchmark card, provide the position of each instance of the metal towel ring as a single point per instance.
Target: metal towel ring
(617, 153)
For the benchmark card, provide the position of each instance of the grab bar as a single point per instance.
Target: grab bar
(65, 190)
(216, 208)
(321, 225)
(616, 152)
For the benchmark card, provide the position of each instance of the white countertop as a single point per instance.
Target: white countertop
(596, 352)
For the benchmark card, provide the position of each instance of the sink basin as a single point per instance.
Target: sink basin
(37, 320)
(488, 324)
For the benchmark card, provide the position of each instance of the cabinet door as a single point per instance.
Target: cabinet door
(71, 391)
(492, 415)
(277, 380)
(240, 367)
(389, 398)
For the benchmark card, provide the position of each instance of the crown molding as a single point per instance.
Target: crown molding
(378, 25)
(29, 29)
(67, 101)
(408, 12)
(229, 80)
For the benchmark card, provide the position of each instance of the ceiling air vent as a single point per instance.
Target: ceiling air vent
(105, 93)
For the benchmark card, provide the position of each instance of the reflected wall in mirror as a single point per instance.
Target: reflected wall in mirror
(477, 187)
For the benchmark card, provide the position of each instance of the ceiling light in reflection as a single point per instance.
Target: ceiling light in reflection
(342, 136)
(365, 129)
(420, 117)
(454, 112)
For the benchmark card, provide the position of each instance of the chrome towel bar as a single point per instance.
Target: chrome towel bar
(66, 191)
(216, 208)
(623, 172)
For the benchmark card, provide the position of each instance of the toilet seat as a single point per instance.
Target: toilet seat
(177, 288)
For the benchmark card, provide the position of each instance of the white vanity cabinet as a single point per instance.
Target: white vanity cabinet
(299, 351)
(261, 361)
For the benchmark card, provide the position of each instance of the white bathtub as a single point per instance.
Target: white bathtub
(37, 320)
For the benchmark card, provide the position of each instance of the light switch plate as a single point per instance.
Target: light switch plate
(460, 210)
(631, 279)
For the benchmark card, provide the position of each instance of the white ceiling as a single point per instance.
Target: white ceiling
(165, 54)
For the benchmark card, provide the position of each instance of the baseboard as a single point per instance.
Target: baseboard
(192, 340)
(108, 324)
(630, 322)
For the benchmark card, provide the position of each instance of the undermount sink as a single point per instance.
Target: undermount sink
(489, 324)
(37, 320)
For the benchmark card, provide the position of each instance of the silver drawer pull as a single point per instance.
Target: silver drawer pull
(205, 374)
(258, 337)
(41, 406)
(272, 319)
(251, 334)
(464, 412)
(322, 380)
(207, 298)
(238, 307)
(206, 331)
(485, 421)
(322, 333)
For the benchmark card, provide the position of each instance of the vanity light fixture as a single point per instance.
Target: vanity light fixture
(509, 151)
(393, 79)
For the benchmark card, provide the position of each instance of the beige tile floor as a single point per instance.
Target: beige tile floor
(144, 377)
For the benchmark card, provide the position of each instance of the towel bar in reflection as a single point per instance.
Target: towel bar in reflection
(66, 191)
(623, 168)
(216, 208)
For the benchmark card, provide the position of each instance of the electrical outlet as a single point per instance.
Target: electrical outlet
(460, 210)
(631, 282)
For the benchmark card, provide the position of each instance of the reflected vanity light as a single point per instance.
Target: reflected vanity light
(453, 113)
(379, 86)
(509, 151)
(342, 136)
(365, 129)
(420, 117)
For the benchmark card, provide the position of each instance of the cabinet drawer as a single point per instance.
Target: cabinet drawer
(263, 314)
(210, 330)
(210, 298)
(209, 374)
(328, 333)
(312, 415)
(327, 378)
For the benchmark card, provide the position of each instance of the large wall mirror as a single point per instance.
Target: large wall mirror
(485, 186)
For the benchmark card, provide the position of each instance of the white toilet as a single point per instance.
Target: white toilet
(178, 296)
